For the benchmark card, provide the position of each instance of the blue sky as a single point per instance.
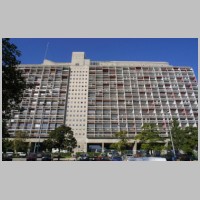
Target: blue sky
(176, 51)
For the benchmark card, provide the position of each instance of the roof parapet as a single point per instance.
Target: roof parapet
(48, 62)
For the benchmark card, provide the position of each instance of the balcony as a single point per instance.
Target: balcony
(104, 136)
(91, 129)
(194, 106)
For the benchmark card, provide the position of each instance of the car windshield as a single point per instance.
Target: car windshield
(32, 154)
(47, 155)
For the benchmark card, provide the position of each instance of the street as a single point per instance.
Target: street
(39, 159)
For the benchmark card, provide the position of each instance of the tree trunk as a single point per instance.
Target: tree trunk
(58, 154)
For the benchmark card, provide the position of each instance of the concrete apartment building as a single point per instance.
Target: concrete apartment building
(99, 98)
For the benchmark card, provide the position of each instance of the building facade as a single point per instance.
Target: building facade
(99, 98)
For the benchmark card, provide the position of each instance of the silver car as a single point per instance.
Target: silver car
(21, 154)
(146, 159)
(125, 157)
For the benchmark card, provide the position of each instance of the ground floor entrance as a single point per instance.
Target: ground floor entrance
(101, 147)
(134, 147)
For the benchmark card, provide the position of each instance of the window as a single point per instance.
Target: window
(53, 111)
(57, 125)
(28, 126)
(13, 125)
(44, 126)
(37, 126)
(47, 111)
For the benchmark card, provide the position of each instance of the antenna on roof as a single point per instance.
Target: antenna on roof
(46, 50)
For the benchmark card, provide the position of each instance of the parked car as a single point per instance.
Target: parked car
(146, 159)
(93, 158)
(6, 157)
(32, 157)
(46, 157)
(185, 157)
(126, 156)
(116, 158)
(83, 157)
(9, 153)
(103, 158)
(109, 154)
(56, 150)
(154, 159)
(21, 154)
(39, 155)
(170, 156)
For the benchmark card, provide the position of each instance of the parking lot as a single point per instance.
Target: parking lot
(114, 156)
(39, 159)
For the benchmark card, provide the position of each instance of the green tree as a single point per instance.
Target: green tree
(19, 142)
(62, 137)
(123, 142)
(6, 144)
(150, 138)
(13, 84)
(185, 140)
(178, 135)
(48, 144)
(191, 140)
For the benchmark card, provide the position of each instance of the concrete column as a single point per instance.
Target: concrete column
(166, 145)
(29, 147)
(102, 147)
(135, 147)
(85, 147)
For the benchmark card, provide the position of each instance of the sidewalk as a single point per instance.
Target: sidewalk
(69, 159)
(64, 159)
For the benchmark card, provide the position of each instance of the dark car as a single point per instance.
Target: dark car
(93, 158)
(39, 155)
(185, 157)
(170, 157)
(46, 157)
(116, 158)
(32, 157)
(105, 158)
(83, 157)
(6, 157)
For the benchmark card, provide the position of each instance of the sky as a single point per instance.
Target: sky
(175, 51)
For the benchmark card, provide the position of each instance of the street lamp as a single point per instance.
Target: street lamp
(170, 135)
